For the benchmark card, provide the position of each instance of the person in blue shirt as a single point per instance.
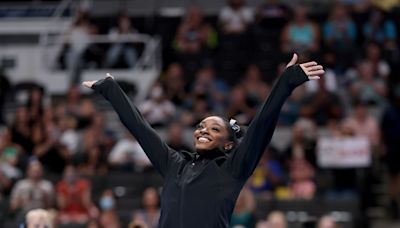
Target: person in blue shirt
(381, 30)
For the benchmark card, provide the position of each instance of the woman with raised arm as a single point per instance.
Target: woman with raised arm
(200, 189)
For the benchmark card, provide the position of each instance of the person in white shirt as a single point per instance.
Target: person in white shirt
(157, 110)
(33, 191)
(235, 18)
(127, 154)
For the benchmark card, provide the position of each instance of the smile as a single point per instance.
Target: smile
(203, 139)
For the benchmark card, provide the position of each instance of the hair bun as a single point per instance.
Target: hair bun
(234, 126)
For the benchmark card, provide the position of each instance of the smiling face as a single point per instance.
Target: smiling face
(212, 133)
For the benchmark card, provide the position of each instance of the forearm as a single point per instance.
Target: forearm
(154, 147)
(262, 127)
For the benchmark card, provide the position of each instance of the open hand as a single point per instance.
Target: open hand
(89, 84)
(312, 69)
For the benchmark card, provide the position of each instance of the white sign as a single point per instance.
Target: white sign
(343, 152)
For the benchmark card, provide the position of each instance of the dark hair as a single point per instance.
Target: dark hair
(235, 131)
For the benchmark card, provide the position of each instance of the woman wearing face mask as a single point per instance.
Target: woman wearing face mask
(108, 216)
(200, 189)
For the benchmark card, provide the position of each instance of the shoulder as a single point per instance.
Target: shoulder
(21, 184)
(46, 184)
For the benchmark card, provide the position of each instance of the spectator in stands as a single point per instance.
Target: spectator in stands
(93, 223)
(301, 183)
(108, 207)
(105, 137)
(369, 89)
(275, 219)
(38, 218)
(380, 67)
(51, 123)
(53, 156)
(194, 35)
(74, 198)
(268, 175)
(303, 143)
(214, 89)
(390, 127)
(5, 86)
(86, 114)
(137, 224)
(347, 182)
(290, 110)
(300, 35)
(326, 221)
(272, 15)
(92, 159)
(235, 18)
(256, 88)
(174, 83)
(197, 109)
(73, 101)
(364, 124)
(11, 155)
(5, 183)
(127, 155)
(81, 109)
(77, 40)
(240, 107)
(118, 48)
(21, 130)
(243, 213)
(150, 213)
(69, 136)
(381, 30)
(175, 137)
(35, 104)
(157, 110)
(321, 106)
(340, 34)
(33, 191)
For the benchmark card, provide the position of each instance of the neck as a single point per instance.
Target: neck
(151, 209)
(210, 154)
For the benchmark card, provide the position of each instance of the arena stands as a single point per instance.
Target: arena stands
(333, 159)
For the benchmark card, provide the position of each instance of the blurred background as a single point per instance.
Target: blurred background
(334, 160)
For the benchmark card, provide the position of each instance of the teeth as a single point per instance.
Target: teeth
(203, 140)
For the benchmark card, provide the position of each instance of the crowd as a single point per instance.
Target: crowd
(219, 68)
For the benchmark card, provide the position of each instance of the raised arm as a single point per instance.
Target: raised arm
(244, 158)
(158, 152)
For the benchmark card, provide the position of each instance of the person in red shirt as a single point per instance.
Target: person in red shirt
(74, 198)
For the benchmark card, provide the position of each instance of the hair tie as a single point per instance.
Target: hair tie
(234, 126)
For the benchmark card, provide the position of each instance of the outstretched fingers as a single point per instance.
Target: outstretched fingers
(313, 70)
(89, 84)
(310, 64)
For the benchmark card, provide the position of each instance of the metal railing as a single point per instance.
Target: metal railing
(150, 57)
(51, 44)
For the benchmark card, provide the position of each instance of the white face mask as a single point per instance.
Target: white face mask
(107, 203)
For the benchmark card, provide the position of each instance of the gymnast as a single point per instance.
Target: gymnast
(200, 189)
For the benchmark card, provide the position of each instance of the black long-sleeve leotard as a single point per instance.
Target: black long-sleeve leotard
(201, 191)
